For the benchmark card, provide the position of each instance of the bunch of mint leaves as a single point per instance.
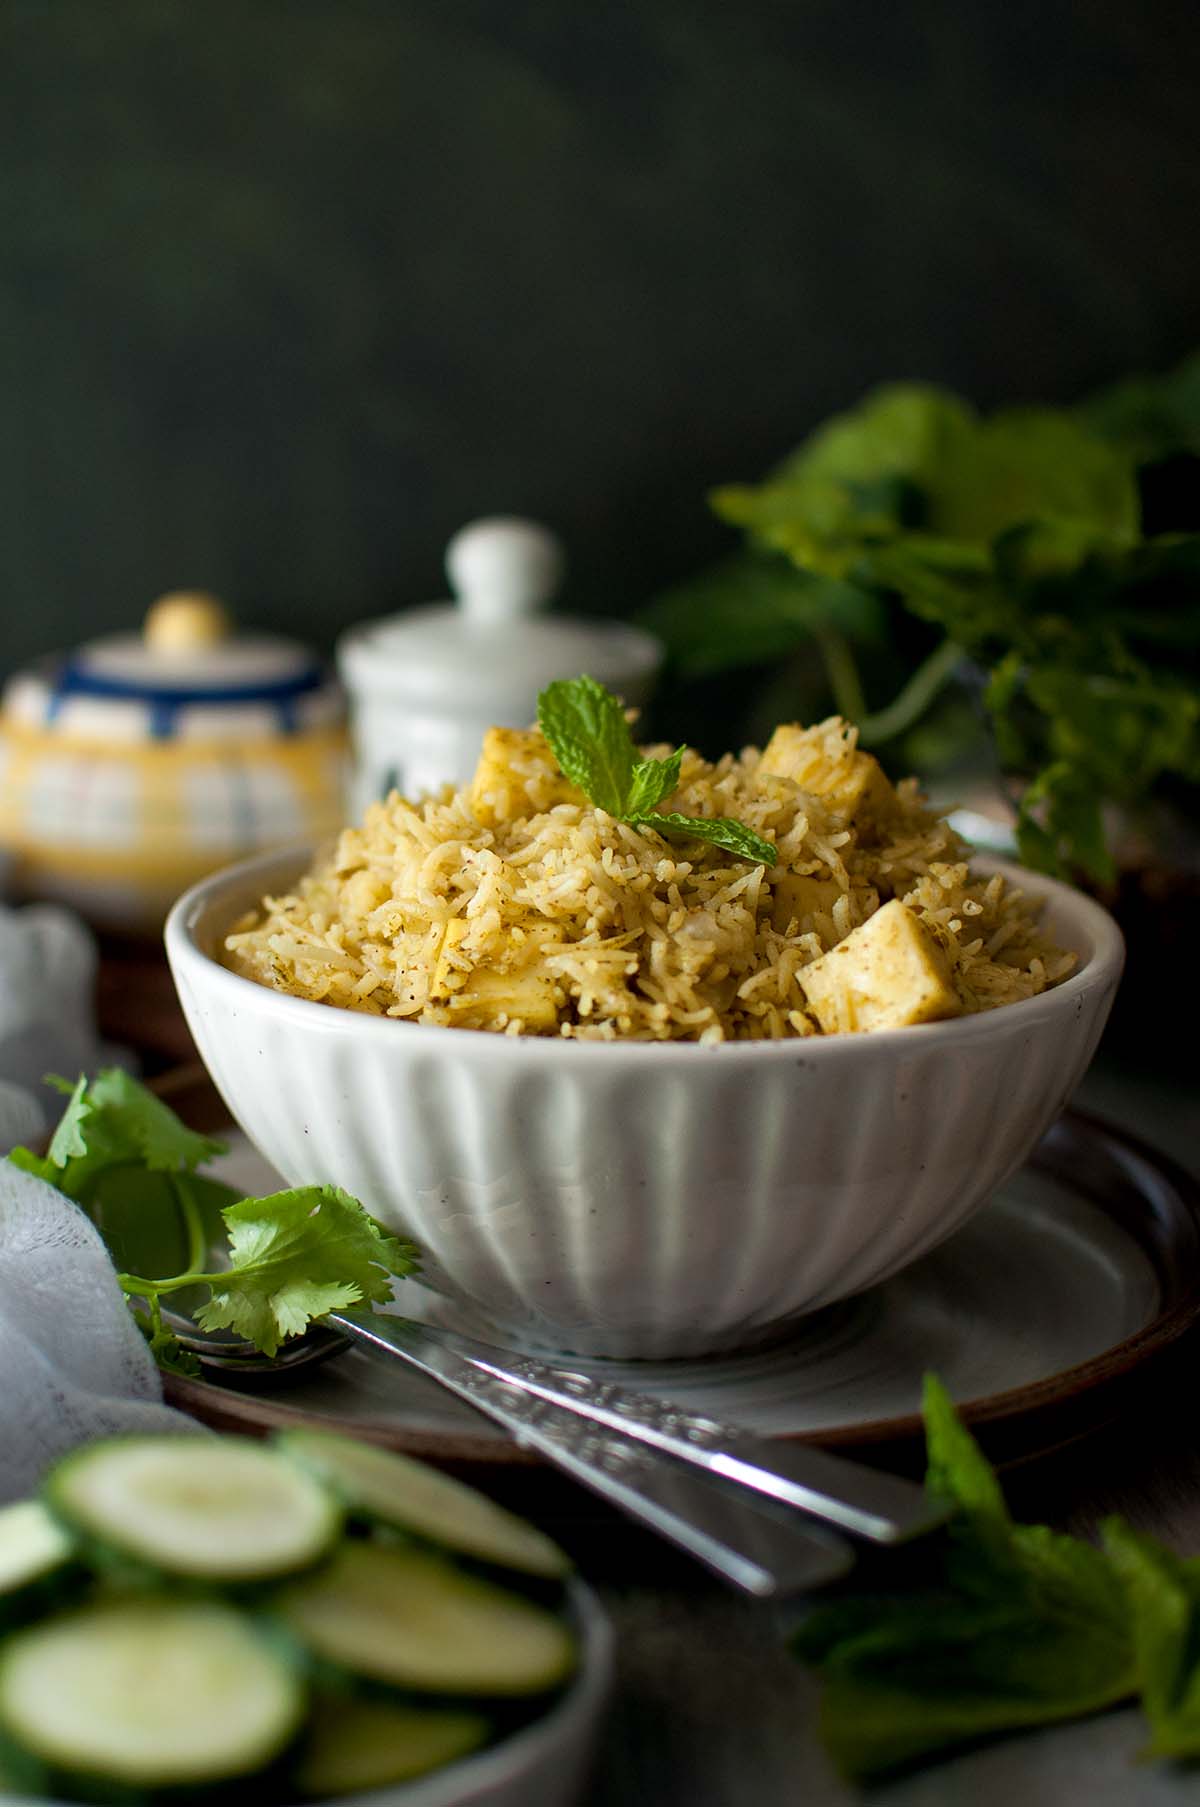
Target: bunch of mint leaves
(126, 1159)
(588, 734)
(1003, 1627)
(1051, 553)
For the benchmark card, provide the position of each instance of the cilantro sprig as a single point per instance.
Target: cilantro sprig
(588, 734)
(125, 1158)
(1002, 1626)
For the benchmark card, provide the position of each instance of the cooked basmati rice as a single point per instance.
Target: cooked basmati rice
(514, 905)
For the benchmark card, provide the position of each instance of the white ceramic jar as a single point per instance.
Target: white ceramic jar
(426, 685)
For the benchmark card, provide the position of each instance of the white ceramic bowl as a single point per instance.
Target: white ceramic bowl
(644, 1199)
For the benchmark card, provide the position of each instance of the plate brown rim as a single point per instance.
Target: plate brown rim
(1161, 1239)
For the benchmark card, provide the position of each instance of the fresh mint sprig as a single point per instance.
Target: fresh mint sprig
(999, 1626)
(125, 1158)
(588, 734)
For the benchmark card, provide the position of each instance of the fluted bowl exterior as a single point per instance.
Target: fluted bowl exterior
(644, 1199)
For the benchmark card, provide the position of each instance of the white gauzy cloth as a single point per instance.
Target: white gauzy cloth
(73, 1364)
(47, 1023)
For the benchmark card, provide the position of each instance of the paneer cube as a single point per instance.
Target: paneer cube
(855, 785)
(517, 776)
(889, 972)
(798, 895)
(488, 997)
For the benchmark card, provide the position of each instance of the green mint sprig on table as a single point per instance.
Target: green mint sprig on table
(588, 734)
(1004, 1627)
(125, 1158)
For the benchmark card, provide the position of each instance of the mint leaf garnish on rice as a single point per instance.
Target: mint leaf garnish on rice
(587, 731)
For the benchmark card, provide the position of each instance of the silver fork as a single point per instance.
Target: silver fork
(642, 1453)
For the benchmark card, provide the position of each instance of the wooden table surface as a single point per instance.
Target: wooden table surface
(711, 1711)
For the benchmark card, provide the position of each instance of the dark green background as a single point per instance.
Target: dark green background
(288, 291)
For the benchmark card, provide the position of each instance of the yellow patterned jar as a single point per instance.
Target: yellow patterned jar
(134, 766)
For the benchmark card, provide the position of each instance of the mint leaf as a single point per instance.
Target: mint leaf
(721, 831)
(295, 1256)
(934, 1673)
(957, 1469)
(652, 780)
(756, 608)
(1163, 1591)
(1003, 1626)
(586, 729)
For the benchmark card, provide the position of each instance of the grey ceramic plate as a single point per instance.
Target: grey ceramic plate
(1082, 1267)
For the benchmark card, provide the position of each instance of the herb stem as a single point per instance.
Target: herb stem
(927, 680)
(841, 669)
(186, 1199)
(150, 1289)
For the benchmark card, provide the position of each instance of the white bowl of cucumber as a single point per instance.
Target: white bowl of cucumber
(209, 1618)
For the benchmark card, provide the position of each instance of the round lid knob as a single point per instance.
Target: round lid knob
(503, 567)
(186, 621)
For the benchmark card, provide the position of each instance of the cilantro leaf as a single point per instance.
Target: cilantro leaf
(1164, 1601)
(112, 1121)
(295, 1256)
(588, 734)
(129, 1161)
(1005, 1626)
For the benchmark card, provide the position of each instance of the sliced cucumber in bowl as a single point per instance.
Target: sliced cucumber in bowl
(211, 1509)
(409, 1619)
(147, 1694)
(36, 1554)
(384, 1488)
(200, 1623)
(355, 1745)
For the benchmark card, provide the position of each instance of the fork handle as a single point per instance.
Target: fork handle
(728, 1532)
(881, 1508)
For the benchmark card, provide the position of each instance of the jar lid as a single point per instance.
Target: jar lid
(187, 676)
(491, 651)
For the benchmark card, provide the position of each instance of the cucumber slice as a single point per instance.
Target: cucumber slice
(146, 1694)
(362, 1744)
(33, 1548)
(210, 1508)
(392, 1490)
(409, 1619)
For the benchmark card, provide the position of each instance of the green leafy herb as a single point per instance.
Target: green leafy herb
(1015, 1626)
(587, 731)
(295, 1256)
(1164, 1603)
(114, 1122)
(1049, 554)
(124, 1157)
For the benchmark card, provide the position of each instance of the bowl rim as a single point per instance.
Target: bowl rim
(1101, 967)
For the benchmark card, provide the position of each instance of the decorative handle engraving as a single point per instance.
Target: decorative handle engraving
(724, 1529)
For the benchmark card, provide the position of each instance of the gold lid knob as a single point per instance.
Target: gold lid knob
(186, 621)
